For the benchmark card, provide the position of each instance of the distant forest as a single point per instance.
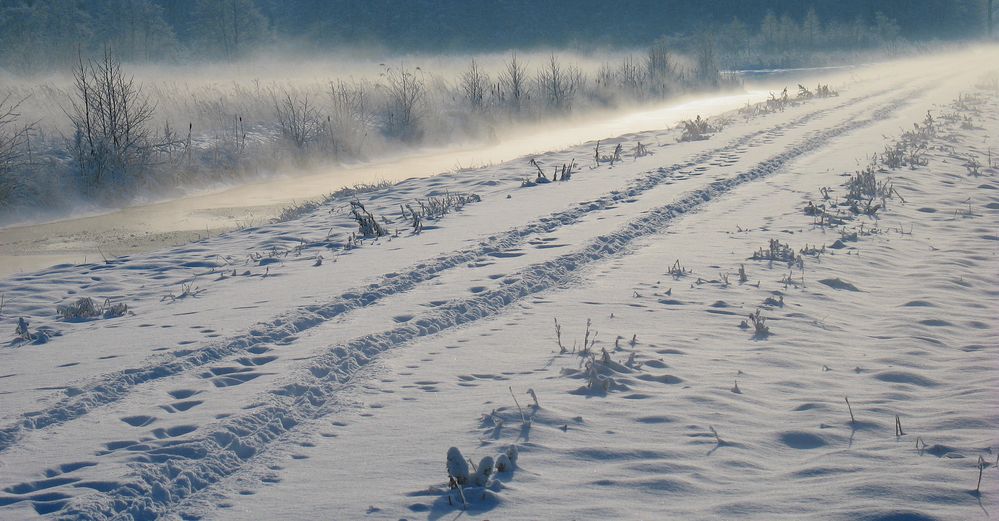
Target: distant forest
(42, 34)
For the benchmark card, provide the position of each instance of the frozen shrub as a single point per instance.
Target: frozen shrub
(110, 310)
(38, 337)
(821, 91)
(512, 454)
(697, 129)
(866, 195)
(506, 461)
(457, 468)
(483, 472)
(479, 485)
(760, 329)
(83, 309)
(503, 463)
(366, 222)
(600, 373)
(86, 309)
(776, 251)
(436, 207)
(302, 125)
(596, 381)
(774, 302)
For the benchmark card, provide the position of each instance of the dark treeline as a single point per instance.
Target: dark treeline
(491, 24)
(39, 34)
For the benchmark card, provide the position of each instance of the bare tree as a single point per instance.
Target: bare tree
(629, 75)
(13, 138)
(301, 123)
(707, 60)
(406, 95)
(513, 82)
(659, 67)
(557, 83)
(605, 76)
(110, 117)
(473, 85)
(350, 116)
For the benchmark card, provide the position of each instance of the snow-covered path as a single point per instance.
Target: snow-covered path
(283, 388)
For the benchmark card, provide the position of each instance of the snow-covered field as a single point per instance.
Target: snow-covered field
(292, 371)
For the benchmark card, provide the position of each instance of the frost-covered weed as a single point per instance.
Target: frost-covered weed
(85, 308)
(477, 483)
(697, 129)
(367, 224)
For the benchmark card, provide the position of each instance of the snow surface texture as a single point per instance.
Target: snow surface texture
(250, 379)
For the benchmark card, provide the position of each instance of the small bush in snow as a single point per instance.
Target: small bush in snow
(366, 222)
(436, 207)
(457, 468)
(503, 463)
(776, 251)
(83, 309)
(483, 472)
(821, 91)
(697, 129)
(479, 483)
(86, 309)
(759, 322)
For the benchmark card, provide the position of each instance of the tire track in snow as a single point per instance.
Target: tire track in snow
(115, 386)
(167, 473)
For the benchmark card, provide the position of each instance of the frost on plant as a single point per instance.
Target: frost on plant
(759, 324)
(457, 468)
(483, 472)
(367, 225)
(477, 484)
(85, 308)
(697, 129)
